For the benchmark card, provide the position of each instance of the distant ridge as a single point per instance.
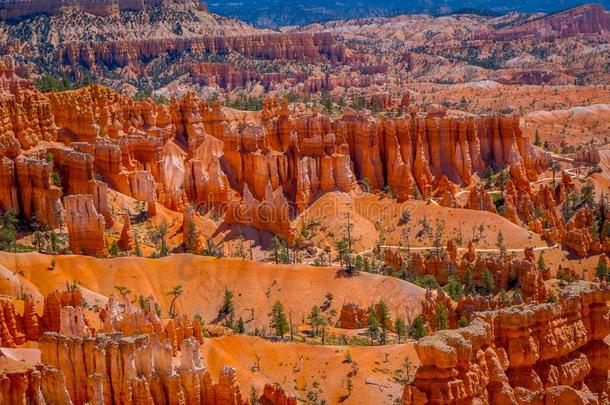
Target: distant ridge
(586, 19)
(277, 13)
(15, 9)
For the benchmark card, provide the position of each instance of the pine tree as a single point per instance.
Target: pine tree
(276, 246)
(469, 283)
(144, 305)
(602, 270)
(500, 243)
(175, 292)
(240, 327)
(342, 250)
(227, 310)
(442, 318)
(489, 283)
(541, 264)
(279, 322)
(454, 288)
(8, 231)
(253, 396)
(400, 328)
(137, 249)
(113, 251)
(159, 237)
(191, 236)
(417, 329)
(384, 318)
(373, 329)
(315, 319)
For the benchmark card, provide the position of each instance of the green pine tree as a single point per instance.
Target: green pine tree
(383, 315)
(442, 318)
(373, 329)
(400, 328)
(279, 322)
(417, 329)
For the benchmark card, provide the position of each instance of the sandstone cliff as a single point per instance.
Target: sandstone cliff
(542, 353)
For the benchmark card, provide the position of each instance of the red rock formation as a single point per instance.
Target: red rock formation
(273, 395)
(271, 214)
(85, 226)
(142, 187)
(75, 170)
(586, 19)
(99, 191)
(230, 77)
(126, 239)
(431, 306)
(520, 354)
(119, 315)
(25, 115)
(353, 316)
(62, 311)
(204, 179)
(13, 9)
(579, 235)
(135, 369)
(190, 152)
(9, 198)
(479, 199)
(299, 47)
(505, 270)
(39, 197)
(11, 334)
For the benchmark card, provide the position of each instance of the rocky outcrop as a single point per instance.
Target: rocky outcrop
(479, 199)
(15, 9)
(39, 197)
(523, 354)
(274, 395)
(269, 168)
(75, 169)
(204, 179)
(85, 226)
(298, 47)
(120, 315)
(62, 311)
(580, 237)
(126, 239)
(142, 187)
(137, 369)
(271, 214)
(505, 270)
(9, 197)
(228, 77)
(586, 19)
(99, 192)
(26, 115)
(137, 365)
(353, 316)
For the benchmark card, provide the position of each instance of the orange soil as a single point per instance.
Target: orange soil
(300, 367)
(256, 286)
(373, 217)
(574, 126)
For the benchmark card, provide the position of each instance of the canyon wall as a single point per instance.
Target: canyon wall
(15, 9)
(264, 170)
(297, 47)
(538, 353)
(586, 19)
(132, 360)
